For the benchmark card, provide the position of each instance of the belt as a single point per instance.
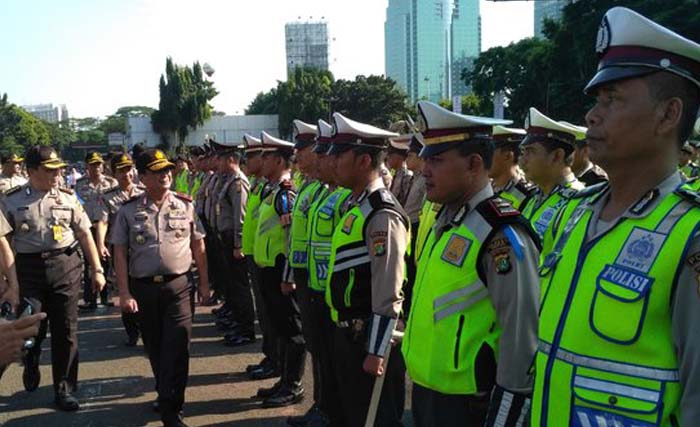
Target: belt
(159, 279)
(69, 250)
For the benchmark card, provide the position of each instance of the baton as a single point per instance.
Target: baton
(397, 337)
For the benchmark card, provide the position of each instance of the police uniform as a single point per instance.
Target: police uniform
(47, 226)
(470, 337)
(259, 189)
(541, 207)
(91, 195)
(517, 190)
(270, 253)
(213, 247)
(413, 207)
(403, 177)
(158, 239)
(367, 274)
(112, 200)
(618, 341)
(10, 181)
(690, 169)
(231, 213)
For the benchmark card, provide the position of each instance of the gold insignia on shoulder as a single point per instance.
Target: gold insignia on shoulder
(140, 239)
(347, 225)
(456, 250)
(24, 227)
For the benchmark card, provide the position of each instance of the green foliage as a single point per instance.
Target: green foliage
(19, 129)
(550, 73)
(471, 104)
(184, 100)
(310, 94)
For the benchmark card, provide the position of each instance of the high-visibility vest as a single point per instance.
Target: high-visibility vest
(299, 231)
(182, 184)
(428, 214)
(606, 354)
(541, 214)
(517, 193)
(250, 224)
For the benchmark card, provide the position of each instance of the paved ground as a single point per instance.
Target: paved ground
(116, 385)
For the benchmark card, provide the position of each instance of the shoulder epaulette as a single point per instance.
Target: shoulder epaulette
(183, 196)
(382, 198)
(501, 207)
(67, 190)
(111, 190)
(12, 190)
(286, 184)
(132, 199)
(688, 194)
(568, 193)
(500, 213)
(526, 187)
(589, 191)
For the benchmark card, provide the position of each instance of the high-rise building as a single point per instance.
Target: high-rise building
(307, 45)
(48, 112)
(547, 9)
(428, 42)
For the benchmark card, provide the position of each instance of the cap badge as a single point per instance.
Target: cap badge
(159, 155)
(53, 155)
(604, 36)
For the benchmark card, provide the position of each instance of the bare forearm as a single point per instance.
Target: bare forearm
(7, 263)
(101, 234)
(89, 249)
(121, 269)
(200, 260)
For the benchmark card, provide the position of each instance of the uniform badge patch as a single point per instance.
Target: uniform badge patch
(347, 224)
(456, 250)
(24, 227)
(641, 249)
(379, 247)
(502, 263)
(140, 239)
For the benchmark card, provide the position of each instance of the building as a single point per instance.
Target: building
(428, 43)
(223, 128)
(307, 45)
(47, 112)
(547, 9)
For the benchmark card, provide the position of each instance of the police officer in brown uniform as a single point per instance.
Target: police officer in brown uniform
(156, 236)
(122, 166)
(49, 222)
(11, 175)
(90, 189)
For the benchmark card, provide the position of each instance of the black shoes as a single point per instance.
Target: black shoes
(266, 392)
(263, 373)
(285, 396)
(174, 421)
(238, 340)
(31, 377)
(132, 341)
(313, 417)
(89, 306)
(66, 401)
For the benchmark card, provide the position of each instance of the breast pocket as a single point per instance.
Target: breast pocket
(61, 216)
(141, 233)
(621, 293)
(178, 229)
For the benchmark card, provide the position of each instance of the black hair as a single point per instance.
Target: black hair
(287, 156)
(376, 156)
(484, 147)
(664, 86)
(513, 147)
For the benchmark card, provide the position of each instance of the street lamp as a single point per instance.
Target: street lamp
(427, 80)
(208, 69)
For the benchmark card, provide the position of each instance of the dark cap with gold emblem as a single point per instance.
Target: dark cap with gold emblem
(10, 158)
(121, 161)
(43, 155)
(153, 160)
(93, 157)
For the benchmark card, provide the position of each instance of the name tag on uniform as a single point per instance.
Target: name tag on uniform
(180, 213)
(456, 250)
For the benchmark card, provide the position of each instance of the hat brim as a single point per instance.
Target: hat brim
(434, 150)
(336, 149)
(57, 164)
(321, 148)
(160, 165)
(124, 165)
(617, 72)
(300, 145)
(15, 160)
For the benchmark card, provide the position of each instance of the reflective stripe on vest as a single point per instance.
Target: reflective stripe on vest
(607, 353)
(299, 230)
(325, 215)
(270, 240)
(452, 316)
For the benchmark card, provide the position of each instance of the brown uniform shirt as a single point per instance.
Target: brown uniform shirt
(415, 198)
(401, 184)
(7, 183)
(158, 239)
(44, 220)
(5, 227)
(113, 200)
(230, 208)
(92, 194)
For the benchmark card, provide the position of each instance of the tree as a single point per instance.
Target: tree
(471, 104)
(264, 103)
(184, 100)
(305, 96)
(19, 129)
(376, 100)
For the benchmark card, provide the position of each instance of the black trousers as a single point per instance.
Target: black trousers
(166, 325)
(237, 289)
(320, 332)
(434, 409)
(269, 346)
(309, 328)
(411, 264)
(214, 261)
(349, 351)
(52, 285)
(285, 322)
(131, 320)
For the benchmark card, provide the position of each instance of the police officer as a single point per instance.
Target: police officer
(122, 166)
(181, 183)
(49, 223)
(618, 342)
(547, 154)
(396, 160)
(276, 279)
(587, 172)
(156, 236)
(685, 163)
(230, 216)
(507, 179)
(470, 337)
(259, 189)
(90, 189)
(367, 274)
(212, 242)
(11, 172)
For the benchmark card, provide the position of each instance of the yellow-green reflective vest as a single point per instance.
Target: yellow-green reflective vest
(271, 237)
(182, 182)
(196, 183)
(452, 316)
(541, 214)
(517, 193)
(325, 216)
(250, 224)
(428, 214)
(299, 230)
(350, 284)
(606, 354)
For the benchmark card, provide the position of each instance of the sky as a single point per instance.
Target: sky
(96, 56)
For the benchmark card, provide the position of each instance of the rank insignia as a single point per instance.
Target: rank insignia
(140, 239)
(24, 227)
(502, 263)
(456, 250)
(347, 225)
(379, 247)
